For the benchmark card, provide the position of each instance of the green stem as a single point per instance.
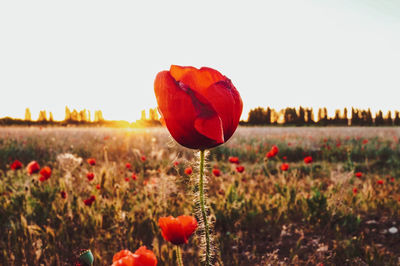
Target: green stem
(203, 208)
(179, 256)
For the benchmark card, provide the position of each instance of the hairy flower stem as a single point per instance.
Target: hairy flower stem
(179, 256)
(203, 209)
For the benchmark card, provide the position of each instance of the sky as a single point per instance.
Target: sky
(106, 54)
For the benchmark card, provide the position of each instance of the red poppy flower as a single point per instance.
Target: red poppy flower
(234, 160)
(128, 166)
(16, 165)
(308, 160)
(200, 107)
(355, 191)
(216, 172)
(98, 186)
(358, 174)
(45, 173)
(143, 158)
(274, 151)
(284, 167)
(91, 161)
(63, 194)
(284, 158)
(380, 182)
(240, 169)
(365, 141)
(127, 179)
(189, 171)
(177, 230)
(176, 163)
(33, 167)
(89, 201)
(141, 257)
(90, 176)
(134, 177)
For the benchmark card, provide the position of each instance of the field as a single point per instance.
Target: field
(340, 209)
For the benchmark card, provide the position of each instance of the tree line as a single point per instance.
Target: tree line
(81, 118)
(305, 117)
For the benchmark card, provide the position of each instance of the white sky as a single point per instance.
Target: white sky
(106, 54)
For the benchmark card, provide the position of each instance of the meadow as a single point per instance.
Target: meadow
(340, 209)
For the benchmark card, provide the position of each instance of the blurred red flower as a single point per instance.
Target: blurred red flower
(240, 169)
(200, 107)
(365, 141)
(128, 166)
(98, 186)
(189, 171)
(274, 151)
(127, 179)
(355, 190)
(63, 194)
(141, 257)
(380, 182)
(308, 160)
(284, 158)
(134, 177)
(89, 201)
(32, 168)
(45, 173)
(284, 167)
(143, 158)
(234, 160)
(177, 230)
(358, 174)
(16, 165)
(91, 161)
(176, 163)
(216, 172)
(90, 176)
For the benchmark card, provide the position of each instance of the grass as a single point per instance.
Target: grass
(306, 215)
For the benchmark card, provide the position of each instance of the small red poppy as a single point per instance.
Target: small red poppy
(176, 163)
(128, 166)
(33, 167)
(98, 186)
(216, 172)
(177, 230)
(355, 191)
(143, 158)
(284, 167)
(16, 165)
(189, 171)
(284, 158)
(127, 179)
(89, 201)
(91, 161)
(45, 173)
(134, 177)
(365, 141)
(274, 151)
(63, 194)
(90, 176)
(358, 174)
(234, 160)
(380, 182)
(141, 257)
(240, 169)
(308, 160)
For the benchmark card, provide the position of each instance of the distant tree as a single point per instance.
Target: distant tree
(301, 117)
(274, 116)
(28, 116)
(268, 116)
(153, 114)
(344, 117)
(51, 119)
(310, 116)
(74, 116)
(143, 115)
(42, 116)
(98, 116)
(396, 121)
(388, 119)
(257, 116)
(379, 121)
(67, 114)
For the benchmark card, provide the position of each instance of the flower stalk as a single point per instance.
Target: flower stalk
(203, 210)
(179, 256)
